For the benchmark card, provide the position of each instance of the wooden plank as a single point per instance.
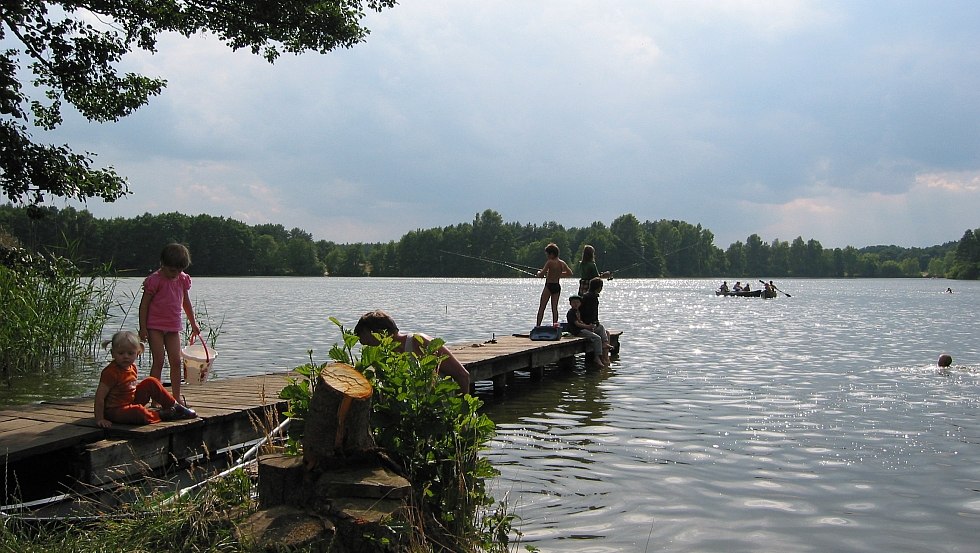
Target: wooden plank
(232, 411)
(87, 419)
(113, 460)
(17, 424)
(44, 437)
(220, 433)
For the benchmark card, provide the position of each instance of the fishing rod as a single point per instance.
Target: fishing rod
(514, 266)
(645, 260)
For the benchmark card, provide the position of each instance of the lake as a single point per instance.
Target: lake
(817, 422)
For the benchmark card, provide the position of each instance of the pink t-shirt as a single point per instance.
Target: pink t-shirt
(167, 301)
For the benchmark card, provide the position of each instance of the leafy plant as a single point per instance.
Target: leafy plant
(432, 430)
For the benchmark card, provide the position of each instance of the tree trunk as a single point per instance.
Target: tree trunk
(338, 425)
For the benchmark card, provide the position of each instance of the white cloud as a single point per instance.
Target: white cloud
(849, 123)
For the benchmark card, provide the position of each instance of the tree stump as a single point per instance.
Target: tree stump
(338, 428)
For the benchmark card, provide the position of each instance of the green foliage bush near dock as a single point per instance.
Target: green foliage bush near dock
(435, 432)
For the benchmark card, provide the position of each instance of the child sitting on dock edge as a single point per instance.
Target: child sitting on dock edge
(578, 328)
(120, 399)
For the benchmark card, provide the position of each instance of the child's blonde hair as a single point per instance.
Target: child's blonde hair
(121, 339)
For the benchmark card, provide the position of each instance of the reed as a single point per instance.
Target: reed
(53, 315)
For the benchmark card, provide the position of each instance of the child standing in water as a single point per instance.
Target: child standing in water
(120, 399)
(165, 293)
(554, 268)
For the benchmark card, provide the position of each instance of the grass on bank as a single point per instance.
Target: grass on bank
(153, 522)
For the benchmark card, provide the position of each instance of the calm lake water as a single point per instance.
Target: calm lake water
(816, 422)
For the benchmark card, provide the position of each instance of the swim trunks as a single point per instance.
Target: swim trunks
(553, 287)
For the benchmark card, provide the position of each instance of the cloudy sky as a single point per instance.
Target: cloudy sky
(853, 123)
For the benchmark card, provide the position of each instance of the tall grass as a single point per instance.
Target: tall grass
(147, 521)
(52, 314)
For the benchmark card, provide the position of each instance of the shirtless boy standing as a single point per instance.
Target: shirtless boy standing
(554, 268)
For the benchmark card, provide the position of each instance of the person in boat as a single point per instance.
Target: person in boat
(589, 312)
(746, 288)
(770, 288)
(724, 287)
(554, 268)
(588, 269)
(578, 328)
(377, 322)
(119, 398)
(738, 286)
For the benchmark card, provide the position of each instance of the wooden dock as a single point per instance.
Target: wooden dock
(55, 446)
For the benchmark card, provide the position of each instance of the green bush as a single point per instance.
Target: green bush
(433, 431)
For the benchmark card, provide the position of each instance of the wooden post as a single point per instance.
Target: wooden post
(338, 424)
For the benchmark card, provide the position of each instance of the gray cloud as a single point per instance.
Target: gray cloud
(741, 116)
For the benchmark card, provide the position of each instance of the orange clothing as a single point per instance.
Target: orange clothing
(124, 403)
(121, 383)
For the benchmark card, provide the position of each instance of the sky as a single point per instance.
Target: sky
(851, 123)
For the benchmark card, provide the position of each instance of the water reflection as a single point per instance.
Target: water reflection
(812, 423)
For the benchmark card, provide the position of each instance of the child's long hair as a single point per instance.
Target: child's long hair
(588, 254)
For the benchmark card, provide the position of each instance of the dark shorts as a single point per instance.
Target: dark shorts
(553, 287)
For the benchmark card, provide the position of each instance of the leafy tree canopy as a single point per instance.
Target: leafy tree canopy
(71, 50)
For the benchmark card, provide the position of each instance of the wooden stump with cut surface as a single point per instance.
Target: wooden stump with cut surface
(338, 424)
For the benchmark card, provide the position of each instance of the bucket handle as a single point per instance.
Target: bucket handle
(207, 354)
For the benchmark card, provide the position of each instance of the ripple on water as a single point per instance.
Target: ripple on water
(806, 424)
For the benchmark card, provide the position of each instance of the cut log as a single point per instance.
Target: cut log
(338, 424)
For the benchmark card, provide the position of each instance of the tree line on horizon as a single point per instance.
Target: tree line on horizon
(486, 247)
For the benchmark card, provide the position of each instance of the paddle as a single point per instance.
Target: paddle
(776, 289)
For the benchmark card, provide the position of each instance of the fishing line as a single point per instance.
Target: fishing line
(643, 259)
(514, 266)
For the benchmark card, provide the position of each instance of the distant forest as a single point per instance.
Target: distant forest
(485, 247)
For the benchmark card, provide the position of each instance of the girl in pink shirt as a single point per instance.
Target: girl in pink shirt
(165, 293)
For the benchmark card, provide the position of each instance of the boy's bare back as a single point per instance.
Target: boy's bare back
(554, 269)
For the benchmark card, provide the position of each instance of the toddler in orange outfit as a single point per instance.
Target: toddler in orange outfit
(119, 398)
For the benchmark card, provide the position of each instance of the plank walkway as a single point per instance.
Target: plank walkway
(53, 446)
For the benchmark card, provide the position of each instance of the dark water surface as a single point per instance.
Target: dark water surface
(812, 423)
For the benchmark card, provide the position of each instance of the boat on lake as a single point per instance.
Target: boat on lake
(760, 293)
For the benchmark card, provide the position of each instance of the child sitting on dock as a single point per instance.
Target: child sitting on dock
(578, 328)
(120, 399)
(589, 312)
(554, 268)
